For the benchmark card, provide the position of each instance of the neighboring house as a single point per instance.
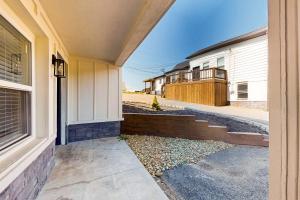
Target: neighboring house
(178, 72)
(245, 58)
(239, 64)
(155, 85)
(61, 79)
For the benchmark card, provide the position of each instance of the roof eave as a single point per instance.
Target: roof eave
(231, 41)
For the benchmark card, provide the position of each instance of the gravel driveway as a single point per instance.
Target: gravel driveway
(238, 173)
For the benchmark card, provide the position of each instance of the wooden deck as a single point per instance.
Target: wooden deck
(209, 90)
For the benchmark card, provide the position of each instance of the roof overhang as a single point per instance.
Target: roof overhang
(106, 30)
(153, 79)
(254, 34)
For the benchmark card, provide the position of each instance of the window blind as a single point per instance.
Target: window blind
(14, 55)
(15, 67)
(14, 115)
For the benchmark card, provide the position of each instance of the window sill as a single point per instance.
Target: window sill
(15, 159)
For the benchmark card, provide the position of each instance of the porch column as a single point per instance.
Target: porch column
(284, 24)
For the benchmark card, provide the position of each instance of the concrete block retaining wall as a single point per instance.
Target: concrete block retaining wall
(185, 126)
(233, 124)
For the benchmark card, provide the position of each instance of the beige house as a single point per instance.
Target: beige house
(61, 78)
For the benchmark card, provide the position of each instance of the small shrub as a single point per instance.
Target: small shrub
(155, 104)
(122, 137)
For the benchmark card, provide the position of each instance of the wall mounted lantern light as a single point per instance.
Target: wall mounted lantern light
(59, 67)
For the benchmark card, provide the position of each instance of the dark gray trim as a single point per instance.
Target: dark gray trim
(235, 40)
(88, 131)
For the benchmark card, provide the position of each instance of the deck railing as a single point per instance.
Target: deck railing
(197, 75)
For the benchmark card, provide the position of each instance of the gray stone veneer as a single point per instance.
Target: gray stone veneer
(28, 184)
(88, 131)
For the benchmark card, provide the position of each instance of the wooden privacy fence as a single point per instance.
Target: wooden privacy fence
(209, 92)
(206, 86)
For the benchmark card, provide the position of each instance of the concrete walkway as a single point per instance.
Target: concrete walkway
(246, 113)
(99, 169)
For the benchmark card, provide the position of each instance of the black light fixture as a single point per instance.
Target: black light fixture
(59, 67)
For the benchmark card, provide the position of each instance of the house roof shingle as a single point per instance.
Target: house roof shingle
(235, 40)
(180, 66)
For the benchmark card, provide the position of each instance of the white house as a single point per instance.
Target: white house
(177, 72)
(60, 78)
(246, 60)
(155, 85)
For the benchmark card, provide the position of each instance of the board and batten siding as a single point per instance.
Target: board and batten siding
(245, 62)
(94, 91)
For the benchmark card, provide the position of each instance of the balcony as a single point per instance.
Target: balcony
(207, 86)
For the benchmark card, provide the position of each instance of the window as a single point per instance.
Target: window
(206, 65)
(242, 90)
(15, 85)
(221, 63)
(168, 79)
(196, 73)
(173, 78)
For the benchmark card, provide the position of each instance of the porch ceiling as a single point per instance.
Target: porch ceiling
(106, 29)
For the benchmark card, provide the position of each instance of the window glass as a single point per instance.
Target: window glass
(221, 62)
(14, 115)
(206, 65)
(15, 67)
(14, 55)
(196, 73)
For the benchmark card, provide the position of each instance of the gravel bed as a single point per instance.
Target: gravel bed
(160, 153)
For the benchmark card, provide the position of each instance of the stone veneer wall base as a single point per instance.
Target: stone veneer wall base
(88, 131)
(29, 183)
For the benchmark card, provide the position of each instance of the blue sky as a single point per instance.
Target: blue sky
(188, 26)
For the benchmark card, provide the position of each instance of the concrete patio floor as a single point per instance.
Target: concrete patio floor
(99, 169)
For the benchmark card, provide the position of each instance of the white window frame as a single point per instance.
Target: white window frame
(205, 67)
(16, 86)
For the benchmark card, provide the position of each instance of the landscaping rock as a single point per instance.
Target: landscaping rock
(159, 154)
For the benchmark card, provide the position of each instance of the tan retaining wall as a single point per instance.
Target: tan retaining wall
(185, 126)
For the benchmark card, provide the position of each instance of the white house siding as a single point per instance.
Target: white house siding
(158, 82)
(245, 62)
(93, 91)
(249, 63)
(210, 57)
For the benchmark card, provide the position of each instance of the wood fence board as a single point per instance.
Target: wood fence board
(207, 92)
